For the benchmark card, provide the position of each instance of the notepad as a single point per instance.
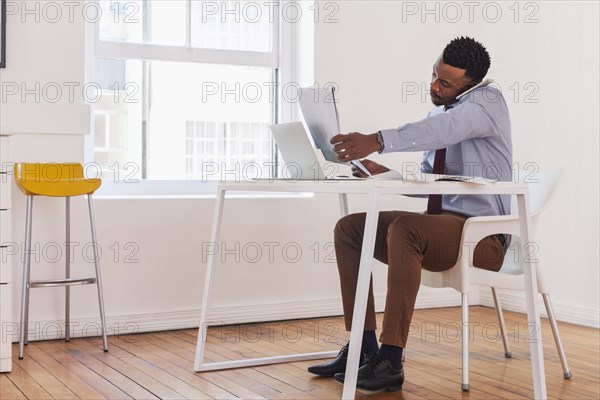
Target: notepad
(461, 178)
(428, 178)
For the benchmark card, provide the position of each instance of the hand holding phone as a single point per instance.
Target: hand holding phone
(361, 167)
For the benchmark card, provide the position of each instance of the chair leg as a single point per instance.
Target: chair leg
(68, 269)
(465, 342)
(98, 280)
(507, 352)
(561, 352)
(26, 278)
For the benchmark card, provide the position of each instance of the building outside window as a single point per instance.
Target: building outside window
(189, 89)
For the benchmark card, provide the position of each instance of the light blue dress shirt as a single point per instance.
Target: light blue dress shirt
(477, 135)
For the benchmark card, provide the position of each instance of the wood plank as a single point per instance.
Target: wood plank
(53, 386)
(9, 390)
(127, 385)
(169, 361)
(26, 383)
(157, 388)
(160, 365)
(81, 388)
(172, 381)
(102, 377)
(281, 388)
(327, 389)
(520, 367)
(59, 350)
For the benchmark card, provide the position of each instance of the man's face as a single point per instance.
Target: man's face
(447, 82)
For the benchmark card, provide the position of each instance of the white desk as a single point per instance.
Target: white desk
(374, 189)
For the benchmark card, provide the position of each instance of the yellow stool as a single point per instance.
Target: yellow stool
(56, 180)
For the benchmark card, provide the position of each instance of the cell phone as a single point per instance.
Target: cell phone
(485, 82)
(361, 167)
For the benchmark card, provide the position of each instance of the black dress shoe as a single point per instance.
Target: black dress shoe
(335, 366)
(377, 374)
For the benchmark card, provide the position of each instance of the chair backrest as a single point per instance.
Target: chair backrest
(542, 188)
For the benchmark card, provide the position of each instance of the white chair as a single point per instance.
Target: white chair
(510, 276)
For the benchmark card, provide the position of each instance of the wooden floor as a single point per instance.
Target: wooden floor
(159, 365)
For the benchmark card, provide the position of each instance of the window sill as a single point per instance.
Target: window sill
(179, 190)
(245, 195)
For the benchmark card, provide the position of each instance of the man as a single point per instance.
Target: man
(471, 136)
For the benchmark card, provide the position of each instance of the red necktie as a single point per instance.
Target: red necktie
(434, 204)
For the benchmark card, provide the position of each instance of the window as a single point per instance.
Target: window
(187, 88)
(211, 148)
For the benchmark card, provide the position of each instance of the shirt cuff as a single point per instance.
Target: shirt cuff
(392, 143)
(395, 140)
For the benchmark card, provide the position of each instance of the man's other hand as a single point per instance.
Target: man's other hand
(372, 166)
(354, 145)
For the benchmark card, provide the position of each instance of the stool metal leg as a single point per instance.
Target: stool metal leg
(98, 280)
(68, 269)
(28, 272)
(27, 291)
(26, 278)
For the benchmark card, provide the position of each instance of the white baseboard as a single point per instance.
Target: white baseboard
(515, 301)
(150, 322)
(237, 314)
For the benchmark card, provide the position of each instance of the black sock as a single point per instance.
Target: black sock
(392, 353)
(369, 342)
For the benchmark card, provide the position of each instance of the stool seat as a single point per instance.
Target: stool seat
(53, 179)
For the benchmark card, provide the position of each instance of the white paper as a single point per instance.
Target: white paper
(428, 178)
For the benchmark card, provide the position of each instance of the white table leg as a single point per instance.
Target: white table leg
(362, 291)
(214, 237)
(199, 364)
(531, 291)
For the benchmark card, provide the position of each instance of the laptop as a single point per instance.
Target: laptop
(299, 156)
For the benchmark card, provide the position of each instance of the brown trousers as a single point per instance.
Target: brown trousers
(406, 242)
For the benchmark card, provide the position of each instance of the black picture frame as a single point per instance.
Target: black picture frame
(2, 33)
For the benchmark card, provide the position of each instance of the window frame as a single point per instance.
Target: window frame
(282, 58)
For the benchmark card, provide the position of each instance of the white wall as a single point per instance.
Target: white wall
(380, 49)
(370, 53)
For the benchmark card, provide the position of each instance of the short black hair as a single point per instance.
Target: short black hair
(468, 54)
